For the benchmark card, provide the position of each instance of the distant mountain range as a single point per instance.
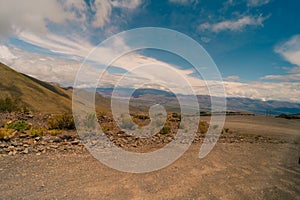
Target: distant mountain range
(235, 104)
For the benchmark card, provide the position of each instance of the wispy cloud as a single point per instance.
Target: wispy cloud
(290, 50)
(232, 78)
(233, 25)
(293, 75)
(256, 3)
(183, 2)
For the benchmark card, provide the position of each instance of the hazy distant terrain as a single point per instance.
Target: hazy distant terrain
(237, 104)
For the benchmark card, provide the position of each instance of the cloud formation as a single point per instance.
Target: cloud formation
(293, 75)
(256, 3)
(34, 16)
(233, 25)
(183, 2)
(290, 50)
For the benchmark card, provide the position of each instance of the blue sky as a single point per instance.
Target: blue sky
(255, 43)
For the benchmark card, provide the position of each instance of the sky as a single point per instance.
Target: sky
(254, 43)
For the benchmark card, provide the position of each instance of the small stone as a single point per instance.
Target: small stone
(30, 142)
(12, 153)
(26, 151)
(10, 148)
(57, 139)
(25, 145)
(75, 142)
(38, 154)
(53, 146)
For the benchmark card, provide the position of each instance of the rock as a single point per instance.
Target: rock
(14, 144)
(10, 148)
(66, 136)
(53, 146)
(26, 151)
(30, 116)
(19, 148)
(75, 142)
(23, 135)
(30, 142)
(12, 153)
(57, 139)
(26, 145)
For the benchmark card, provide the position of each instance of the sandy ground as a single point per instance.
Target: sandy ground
(230, 171)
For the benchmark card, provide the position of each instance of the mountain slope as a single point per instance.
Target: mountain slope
(36, 95)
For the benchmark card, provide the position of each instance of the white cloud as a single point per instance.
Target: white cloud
(6, 55)
(288, 77)
(31, 15)
(129, 4)
(233, 25)
(284, 91)
(293, 74)
(232, 78)
(290, 50)
(256, 3)
(183, 2)
(103, 12)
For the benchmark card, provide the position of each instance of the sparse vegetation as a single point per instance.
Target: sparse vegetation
(289, 116)
(62, 122)
(55, 132)
(8, 105)
(225, 130)
(20, 126)
(36, 131)
(203, 127)
(6, 133)
(165, 130)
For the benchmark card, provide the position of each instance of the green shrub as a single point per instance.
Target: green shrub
(55, 132)
(165, 130)
(8, 105)
(5, 132)
(225, 130)
(202, 127)
(20, 126)
(36, 131)
(62, 122)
